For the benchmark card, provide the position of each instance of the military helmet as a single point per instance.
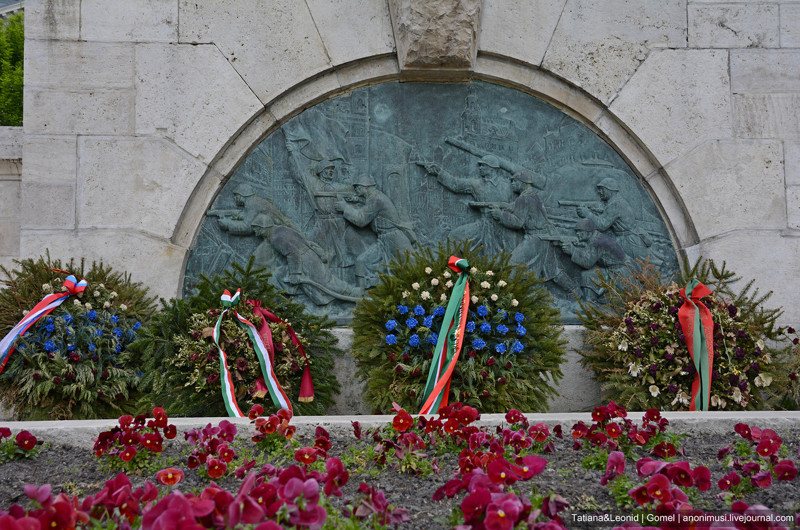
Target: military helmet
(490, 160)
(324, 164)
(364, 180)
(245, 190)
(609, 184)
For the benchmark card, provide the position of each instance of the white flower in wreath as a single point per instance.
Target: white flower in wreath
(493, 297)
(760, 343)
(446, 274)
(106, 305)
(425, 295)
(718, 402)
(88, 306)
(415, 286)
(514, 302)
(763, 380)
(501, 283)
(485, 285)
(96, 294)
(474, 299)
(737, 395)
(113, 294)
(473, 270)
(47, 288)
(435, 282)
(443, 298)
(74, 302)
(123, 307)
(428, 270)
(766, 358)
(654, 391)
(489, 273)
(449, 284)
(634, 369)
(623, 346)
(405, 294)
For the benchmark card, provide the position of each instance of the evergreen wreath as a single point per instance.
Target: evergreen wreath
(512, 351)
(637, 349)
(181, 362)
(73, 363)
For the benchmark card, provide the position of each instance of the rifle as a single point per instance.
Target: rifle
(223, 213)
(508, 165)
(594, 206)
(560, 239)
(484, 204)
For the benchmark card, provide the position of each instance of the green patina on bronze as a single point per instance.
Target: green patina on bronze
(339, 189)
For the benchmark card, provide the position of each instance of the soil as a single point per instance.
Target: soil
(76, 471)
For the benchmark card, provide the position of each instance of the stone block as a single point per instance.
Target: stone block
(152, 261)
(9, 237)
(763, 71)
(496, 68)
(50, 158)
(195, 210)
(764, 255)
(272, 45)
(73, 112)
(677, 100)
(53, 19)
(129, 20)
(599, 45)
(10, 169)
(439, 35)
(372, 70)
(791, 156)
(767, 116)
(790, 25)
(733, 25)
(353, 29)
(303, 96)
(154, 177)
(10, 143)
(624, 142)
(672, 209)
(573, 100)
(521, 30)
(793, 207)
(47, 205)
(192, 95)
(732, 185)
(9, 199)
(67, 65)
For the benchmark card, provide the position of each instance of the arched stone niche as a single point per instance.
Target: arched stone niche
(334, 191)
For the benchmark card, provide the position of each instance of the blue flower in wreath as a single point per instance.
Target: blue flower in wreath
(118, 348)
(412, 322)
(117, 332)
(390, 324)
(92, 314)
(428, 322)
(482, 311)
(67, 319)
(486, 327)
(98, 333)
(70, 347)
(413, 340)
(478, 344)
(391, 339)
(519, 317)
(49, 346)
(419, 310)
(92, 347)
(500, 348)
(439, 311)
(502, 329)
(402, 309)
(470, 327)
(137, 326)
(114, 319)
(517, 347)
(521, 331)
(433, 338)
(502, 313)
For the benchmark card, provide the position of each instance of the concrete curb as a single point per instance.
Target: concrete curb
(81, 433)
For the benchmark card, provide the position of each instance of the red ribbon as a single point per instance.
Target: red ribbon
(306, 383)
(692, 313)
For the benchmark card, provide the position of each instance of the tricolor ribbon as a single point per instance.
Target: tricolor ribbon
(228, 396)
(41, 309)
(306, 383)
(448, 345)
(698, 327)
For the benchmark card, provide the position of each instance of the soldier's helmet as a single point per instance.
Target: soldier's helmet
(324, 164)
(364, 180)
(609, 184)
(245, 190)
(490, 160)
(262, 220)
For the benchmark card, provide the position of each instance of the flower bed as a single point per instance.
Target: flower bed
(424, 473)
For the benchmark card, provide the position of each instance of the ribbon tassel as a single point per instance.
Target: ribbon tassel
(698, 328)
(448, 345)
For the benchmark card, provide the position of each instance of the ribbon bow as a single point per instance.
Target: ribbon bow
(448, 345)
(229, 302)
(698, 328)
(73, 287)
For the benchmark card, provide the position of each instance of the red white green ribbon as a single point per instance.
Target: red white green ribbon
(41, 309)
(306, 383)
(698, 327)
(228, 396)
(448, 345)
